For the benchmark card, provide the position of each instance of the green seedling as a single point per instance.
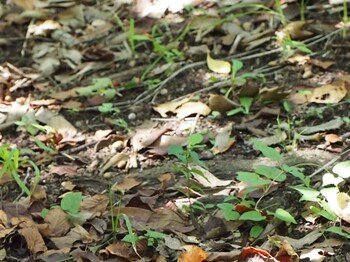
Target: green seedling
(44, 147)
(239, 80)
(71, 203)
(101, 86)
(246, 103)
(29, 124)
(11, 162)
(108, 108)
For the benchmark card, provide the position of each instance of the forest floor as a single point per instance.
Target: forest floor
(139, 131)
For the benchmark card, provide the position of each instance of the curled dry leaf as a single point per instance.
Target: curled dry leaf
(218, 66)
(164, 108)
(146, 135)
(207, 179)
(296, 30)
(163, 143)
(221, 103)
(191, 108)
(223, 140)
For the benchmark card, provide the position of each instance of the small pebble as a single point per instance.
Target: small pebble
(163, 91)
(132, 116)
(118, 145)
(121, 164)
(207, 155)
(107, 175)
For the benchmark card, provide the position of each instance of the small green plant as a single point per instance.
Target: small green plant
(100, 86)
(11, 162)
(71, 203)
(246, 103)
(188, 158)
(108, 108)
(239, 80)
(29, 124)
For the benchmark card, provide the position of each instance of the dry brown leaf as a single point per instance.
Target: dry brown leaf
(165, 219)
(332, 138)
(63, 95)
(330, 93)
(146, 135)
(192, 254)
(121, 249)
(164, 108)
(75, 234)
(207, 179)
(58, 222)
(69, 170)
(221, 103)
(35, 242)
(139, 217)
(223, 140)
(296, 30)
(218, 66)
(191, 108)
(94, 206)
(162, 144)
(125, 185)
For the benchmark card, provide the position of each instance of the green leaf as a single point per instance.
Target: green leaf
(229, 213)
(253, 216)
(195, 158)
(194, 139)
(271, 172)
(236, 66)
(246, 103)
(44, 147)
(175, 150)
(71, 202)
(337, 230)
(155, 234)
(284, 216)
(294, 171)
(324, 213)
(235, 111)
(255, 231)
(308, 194)
(252, 178)
(109, 93)
(267, 151)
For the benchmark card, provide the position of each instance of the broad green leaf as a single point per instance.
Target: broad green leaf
(229, 213)
(308, 194)
(324, 213)
(71, 202)
(195, 139)
(337, 230)
(271, 172)
(267, 151)
(175, 150)
(255, 231)
(252, 178)
(284, 216)
(236, 65)
(253, 216)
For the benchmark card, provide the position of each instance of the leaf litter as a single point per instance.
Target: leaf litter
(75, 108)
